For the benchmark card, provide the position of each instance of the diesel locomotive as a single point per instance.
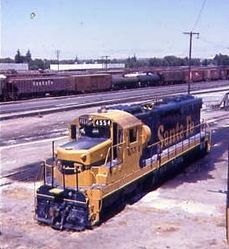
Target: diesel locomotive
(112, 153)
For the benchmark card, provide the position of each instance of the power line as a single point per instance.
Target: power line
(199, 15)
(213, 43)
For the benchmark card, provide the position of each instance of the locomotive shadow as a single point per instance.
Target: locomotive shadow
(32, 172)
(201, 169)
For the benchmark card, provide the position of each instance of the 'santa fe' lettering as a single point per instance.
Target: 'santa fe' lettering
(168, 137)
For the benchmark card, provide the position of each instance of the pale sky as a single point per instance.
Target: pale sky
(119, 28)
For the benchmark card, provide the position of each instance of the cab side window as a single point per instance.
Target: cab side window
(133, 135)
(73, 131)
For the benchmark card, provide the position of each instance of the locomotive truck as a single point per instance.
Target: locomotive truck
(114, 152)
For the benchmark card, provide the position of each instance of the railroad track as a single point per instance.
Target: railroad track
(101, 99)
(62, 131)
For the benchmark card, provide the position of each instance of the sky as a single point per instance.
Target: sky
(117, 28)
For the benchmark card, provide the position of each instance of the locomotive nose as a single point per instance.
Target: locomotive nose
(62, 209)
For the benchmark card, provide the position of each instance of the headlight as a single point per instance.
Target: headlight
(59, 165)
(83, 157)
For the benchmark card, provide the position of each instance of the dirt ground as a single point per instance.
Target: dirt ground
(185, 212)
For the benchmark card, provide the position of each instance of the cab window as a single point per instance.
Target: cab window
(133, 135)
(73, 131)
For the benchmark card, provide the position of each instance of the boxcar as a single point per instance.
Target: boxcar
(212, 74)
(91, 82)
(197, 75)
(173, 76)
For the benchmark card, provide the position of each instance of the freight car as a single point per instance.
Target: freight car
(113, 153)
(35, 86)
(172, 76)
(2, 86)
(91, 82)
(30, 84)
(23, 87)
(197, 75)
(135, 80)
(149, 79)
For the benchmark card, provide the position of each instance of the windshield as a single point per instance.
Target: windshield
(84, 143)
(95, 131)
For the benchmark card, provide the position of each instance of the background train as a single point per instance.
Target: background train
(29, 84)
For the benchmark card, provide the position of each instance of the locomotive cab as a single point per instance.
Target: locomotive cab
(99, 144)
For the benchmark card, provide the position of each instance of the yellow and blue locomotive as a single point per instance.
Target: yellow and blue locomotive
(115, 151)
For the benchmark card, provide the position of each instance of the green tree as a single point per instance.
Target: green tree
(131, 62)
(37, 64)
(221, 59)
(28, 56)
(18, 57)
(6, 60)
(76, 59)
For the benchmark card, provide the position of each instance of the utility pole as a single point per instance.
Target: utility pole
(58, 58)
(190, 56)
(106, 60)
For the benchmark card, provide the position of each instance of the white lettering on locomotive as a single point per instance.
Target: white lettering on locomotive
(171, 136)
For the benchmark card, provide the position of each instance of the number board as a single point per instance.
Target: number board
(84, 120)
(102, 122)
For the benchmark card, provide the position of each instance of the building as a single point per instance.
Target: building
(14, 66)
(86, 66)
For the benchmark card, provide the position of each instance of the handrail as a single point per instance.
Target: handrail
(167, 149)
(109, 152)
(77, 169)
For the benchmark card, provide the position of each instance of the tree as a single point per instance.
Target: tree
(28, 56)
(18, 57)
(37, 64)
(221, 59)
(131, 61)
(6, 60)
(76, 59)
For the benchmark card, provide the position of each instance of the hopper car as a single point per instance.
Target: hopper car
(35, 86)
(113, 153)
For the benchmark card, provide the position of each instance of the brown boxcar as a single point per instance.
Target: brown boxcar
(224, 73)
(212, 74)
(227, 72)
(173, 77)
(91, 82)
(197, 74)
